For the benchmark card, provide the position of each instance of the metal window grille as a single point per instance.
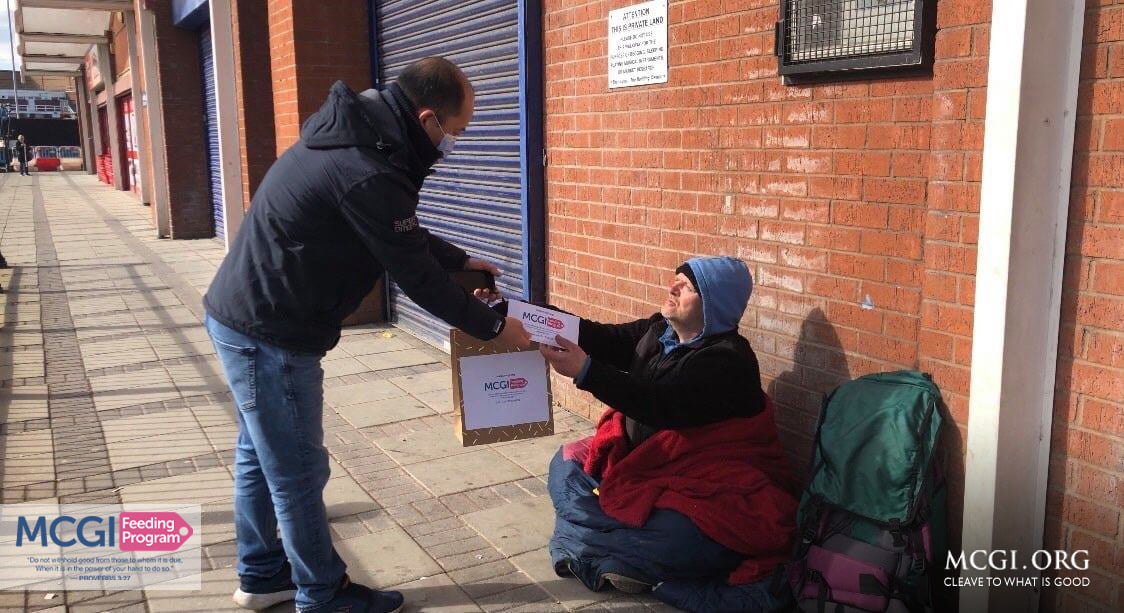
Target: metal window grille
(825, 36)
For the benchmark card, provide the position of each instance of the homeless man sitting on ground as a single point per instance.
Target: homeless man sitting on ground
(684, 486)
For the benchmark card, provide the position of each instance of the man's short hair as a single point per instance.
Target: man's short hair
(435, 83)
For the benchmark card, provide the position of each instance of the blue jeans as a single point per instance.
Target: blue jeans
(281, 465)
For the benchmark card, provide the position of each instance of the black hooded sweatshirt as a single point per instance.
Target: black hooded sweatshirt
(332, 214)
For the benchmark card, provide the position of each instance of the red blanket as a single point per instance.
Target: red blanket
(731, 478)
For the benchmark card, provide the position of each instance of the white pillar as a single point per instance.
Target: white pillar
(95, 127)
(143, 150)
(226, 103)
(113, 118)
(152, 103)
(1033, 67)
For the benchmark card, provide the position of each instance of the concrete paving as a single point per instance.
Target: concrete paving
(110, 392)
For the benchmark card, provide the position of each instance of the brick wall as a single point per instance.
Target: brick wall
(312, 45)
(1086, 489)
(257, 139)
(181, 90)
(832, 193)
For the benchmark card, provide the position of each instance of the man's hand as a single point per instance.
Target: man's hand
(485, 265)
(513, 333)
(566, 360)
(486, 295)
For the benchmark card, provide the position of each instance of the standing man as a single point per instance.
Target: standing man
(23, 153)
(334, 213)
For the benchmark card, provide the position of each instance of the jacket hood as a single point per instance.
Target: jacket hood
(724, 285)
(382, 120)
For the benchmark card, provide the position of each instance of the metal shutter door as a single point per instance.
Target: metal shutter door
(477, 197)
(210, 120)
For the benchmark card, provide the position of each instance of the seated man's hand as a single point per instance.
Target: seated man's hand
(567, 359)
(514, 333)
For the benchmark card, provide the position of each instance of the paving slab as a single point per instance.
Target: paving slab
(467, 471)
(568, 591)
(367, 344)
(517, 527)
(534, 454)
(422, 445)
(438, 400)
(153, 424)
(426, 382)
(343, 496)
(152, 449)
(386, 558)
(397, 359)
(386, 411)
(202, 487)
(218, 585)
(345, 395)
(436, 594)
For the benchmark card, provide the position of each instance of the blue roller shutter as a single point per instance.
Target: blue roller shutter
(211, 126)
(485, 198)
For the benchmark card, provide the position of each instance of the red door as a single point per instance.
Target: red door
(127, 136)
(105, 160)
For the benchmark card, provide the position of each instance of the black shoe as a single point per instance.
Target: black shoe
(257, 593)
(628, 585)
(355, 598)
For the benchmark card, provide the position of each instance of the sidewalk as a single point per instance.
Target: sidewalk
(110, 393)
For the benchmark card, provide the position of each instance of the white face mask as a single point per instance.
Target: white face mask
(448, 141)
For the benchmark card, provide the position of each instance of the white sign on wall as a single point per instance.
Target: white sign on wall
(638, 44)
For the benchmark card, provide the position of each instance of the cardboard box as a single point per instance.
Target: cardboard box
(528, 397)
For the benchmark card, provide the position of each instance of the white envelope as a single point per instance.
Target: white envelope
(544, 324)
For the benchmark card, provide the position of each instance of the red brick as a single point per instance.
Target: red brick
(939, 286)
(844, 239)
(1108, 277)
(857, 266)
(1104, 26)
(859, 214)
(962, 12)
(1110, 207)
(1091, 516)
(954, 43)
(950, 319)
(1097, 241)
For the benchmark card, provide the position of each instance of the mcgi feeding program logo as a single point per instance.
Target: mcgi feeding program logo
(99, 547)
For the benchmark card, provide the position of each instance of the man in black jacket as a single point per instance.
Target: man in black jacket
(23, 154)
(332, 214)
(684, 366)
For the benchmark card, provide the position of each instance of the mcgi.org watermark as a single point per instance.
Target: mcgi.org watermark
(1010, 560)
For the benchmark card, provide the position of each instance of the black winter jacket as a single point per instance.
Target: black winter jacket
(690, 386)
(332, 214)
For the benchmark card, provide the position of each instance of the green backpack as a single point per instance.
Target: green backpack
(872, 519)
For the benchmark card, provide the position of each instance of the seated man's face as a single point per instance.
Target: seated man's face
(684, 305)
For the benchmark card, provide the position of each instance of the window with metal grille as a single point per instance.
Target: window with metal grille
(820, 37)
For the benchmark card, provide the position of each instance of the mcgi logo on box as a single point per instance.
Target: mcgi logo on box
(551, 322)
(513, 384)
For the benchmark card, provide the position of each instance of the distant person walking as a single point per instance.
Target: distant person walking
(23, 154)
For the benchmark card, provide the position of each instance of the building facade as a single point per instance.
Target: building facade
(965, 218)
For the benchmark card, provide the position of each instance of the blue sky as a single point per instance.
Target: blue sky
(5, 36)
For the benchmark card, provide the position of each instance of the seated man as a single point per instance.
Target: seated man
(684, 486)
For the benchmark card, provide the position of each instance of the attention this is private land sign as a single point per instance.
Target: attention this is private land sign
(638, 45)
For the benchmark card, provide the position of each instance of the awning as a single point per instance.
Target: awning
(56, 35)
